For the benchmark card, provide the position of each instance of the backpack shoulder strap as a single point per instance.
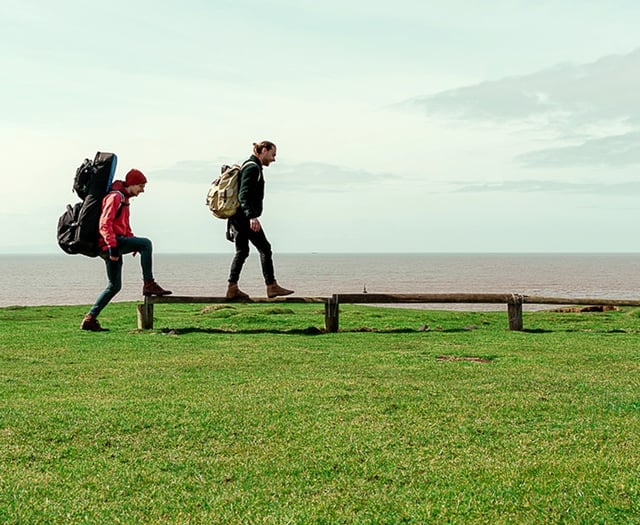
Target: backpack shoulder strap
(122, 202)
(247, 162)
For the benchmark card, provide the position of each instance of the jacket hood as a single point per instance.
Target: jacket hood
(118, 185)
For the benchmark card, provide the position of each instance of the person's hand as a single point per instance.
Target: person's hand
(254, 224)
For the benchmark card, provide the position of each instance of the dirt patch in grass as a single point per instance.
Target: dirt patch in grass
(464, 358)
(580, 309)
(216, 308)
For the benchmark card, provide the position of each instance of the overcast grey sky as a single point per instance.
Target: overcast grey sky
(411, 126)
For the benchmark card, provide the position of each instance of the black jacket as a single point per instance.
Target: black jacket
(251, 188)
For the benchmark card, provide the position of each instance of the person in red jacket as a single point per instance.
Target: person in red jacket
(116, 239)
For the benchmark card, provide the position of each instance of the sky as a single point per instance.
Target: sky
(407, 126)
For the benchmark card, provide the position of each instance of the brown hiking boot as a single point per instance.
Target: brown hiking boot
(274, 290)
(90, 322)
(233, 292)
(153, 288)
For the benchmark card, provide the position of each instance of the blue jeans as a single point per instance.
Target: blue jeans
(114, 269)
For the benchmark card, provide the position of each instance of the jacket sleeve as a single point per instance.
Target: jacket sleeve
(110, 206)
(247, 192)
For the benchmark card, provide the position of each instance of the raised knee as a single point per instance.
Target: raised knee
(114, 288)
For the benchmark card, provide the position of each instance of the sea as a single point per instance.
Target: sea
(59, 279)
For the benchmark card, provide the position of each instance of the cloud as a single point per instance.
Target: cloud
(604, 90)
(545, 186)
(616, 150)
(187, 171)
(590, 111)
(323, 177)
(281, 177)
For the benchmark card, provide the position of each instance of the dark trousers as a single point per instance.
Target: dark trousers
(114, 269)
(243, 234)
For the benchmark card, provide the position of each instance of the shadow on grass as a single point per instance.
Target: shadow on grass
(311, 330)
(577, 331)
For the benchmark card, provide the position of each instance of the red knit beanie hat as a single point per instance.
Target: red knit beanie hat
(134, 177)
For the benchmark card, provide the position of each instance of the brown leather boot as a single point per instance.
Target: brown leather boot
(90, 322)
(233, 292)
(153, 288)
(274, 290)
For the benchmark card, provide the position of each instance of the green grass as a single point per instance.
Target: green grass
(250, 414)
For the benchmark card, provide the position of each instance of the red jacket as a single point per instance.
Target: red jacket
(112, 223)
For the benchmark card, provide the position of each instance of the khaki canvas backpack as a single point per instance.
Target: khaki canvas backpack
(222, 197)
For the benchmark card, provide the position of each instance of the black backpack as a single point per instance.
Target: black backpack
(78, 225)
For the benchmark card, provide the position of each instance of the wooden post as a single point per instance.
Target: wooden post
(514, 309)
(145, 315)
(331, 314)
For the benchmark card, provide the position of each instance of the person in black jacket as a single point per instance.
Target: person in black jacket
(245, 224)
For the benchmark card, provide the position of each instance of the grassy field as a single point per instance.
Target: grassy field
(250, 414)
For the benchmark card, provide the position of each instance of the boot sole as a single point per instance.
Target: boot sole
(242, 298)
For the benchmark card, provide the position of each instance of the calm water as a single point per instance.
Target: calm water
(62, 279)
